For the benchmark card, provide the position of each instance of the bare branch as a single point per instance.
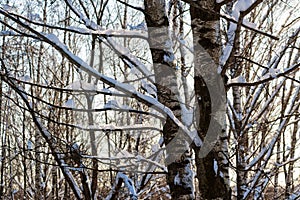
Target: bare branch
(268, 77)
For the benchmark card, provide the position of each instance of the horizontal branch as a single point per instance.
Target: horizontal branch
(269, 77)
(84, 31)
(249, 27)
(265, 67)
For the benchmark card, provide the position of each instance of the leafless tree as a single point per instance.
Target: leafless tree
(96, 97)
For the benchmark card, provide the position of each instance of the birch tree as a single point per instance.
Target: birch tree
(100, 100)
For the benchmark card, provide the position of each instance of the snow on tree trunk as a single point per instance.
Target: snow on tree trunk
(180, 176)
(212, 170)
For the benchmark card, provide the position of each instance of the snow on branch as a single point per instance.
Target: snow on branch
(128, 183)
(294, 196)
(291, 160)
(248, 25)
(220, 1)
(266, 152)
(268, 102)
(273, 74)
(116, 128)
(125, 155)
(70, 104)
(94, 29)
(84, 31)
(272, 64)
(73, 87)
(123, 87)
(126, 88)
(78, 62)
(282, 50)
(130, 59)
(120, 50)
(47, 136)
(240, 9)
(243, 4)
(110, 32)
(8, 33)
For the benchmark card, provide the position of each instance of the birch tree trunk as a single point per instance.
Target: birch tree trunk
(179, 177)
(212, 170)
(242, 146)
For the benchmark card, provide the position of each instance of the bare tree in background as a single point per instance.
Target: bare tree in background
(124, 69)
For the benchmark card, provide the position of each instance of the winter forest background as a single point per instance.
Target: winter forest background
(153, 99)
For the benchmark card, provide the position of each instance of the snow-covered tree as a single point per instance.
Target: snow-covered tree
(153, 99)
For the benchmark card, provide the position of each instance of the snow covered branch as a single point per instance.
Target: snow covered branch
(273, 74)
(48, 137)
(77, 61)
(240, 9)
(83, 31)
(128, 183)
